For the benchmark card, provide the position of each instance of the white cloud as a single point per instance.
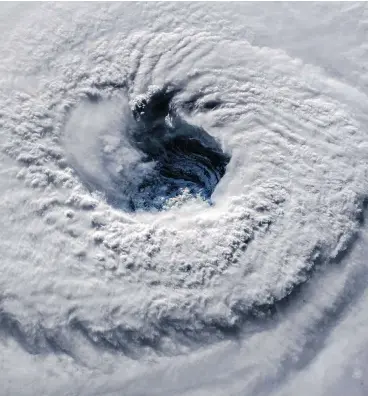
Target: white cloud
(175, 302)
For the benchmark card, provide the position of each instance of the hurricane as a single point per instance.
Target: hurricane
(184, 194)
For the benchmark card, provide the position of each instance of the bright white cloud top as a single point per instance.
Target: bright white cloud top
(183, 193)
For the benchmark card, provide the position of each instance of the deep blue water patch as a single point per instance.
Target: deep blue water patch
(185, 155)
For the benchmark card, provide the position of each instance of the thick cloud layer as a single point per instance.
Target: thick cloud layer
(183, 197)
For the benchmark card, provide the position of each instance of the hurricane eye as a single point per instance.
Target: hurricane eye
(186, 157)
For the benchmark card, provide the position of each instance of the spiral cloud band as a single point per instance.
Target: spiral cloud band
(183, 190)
